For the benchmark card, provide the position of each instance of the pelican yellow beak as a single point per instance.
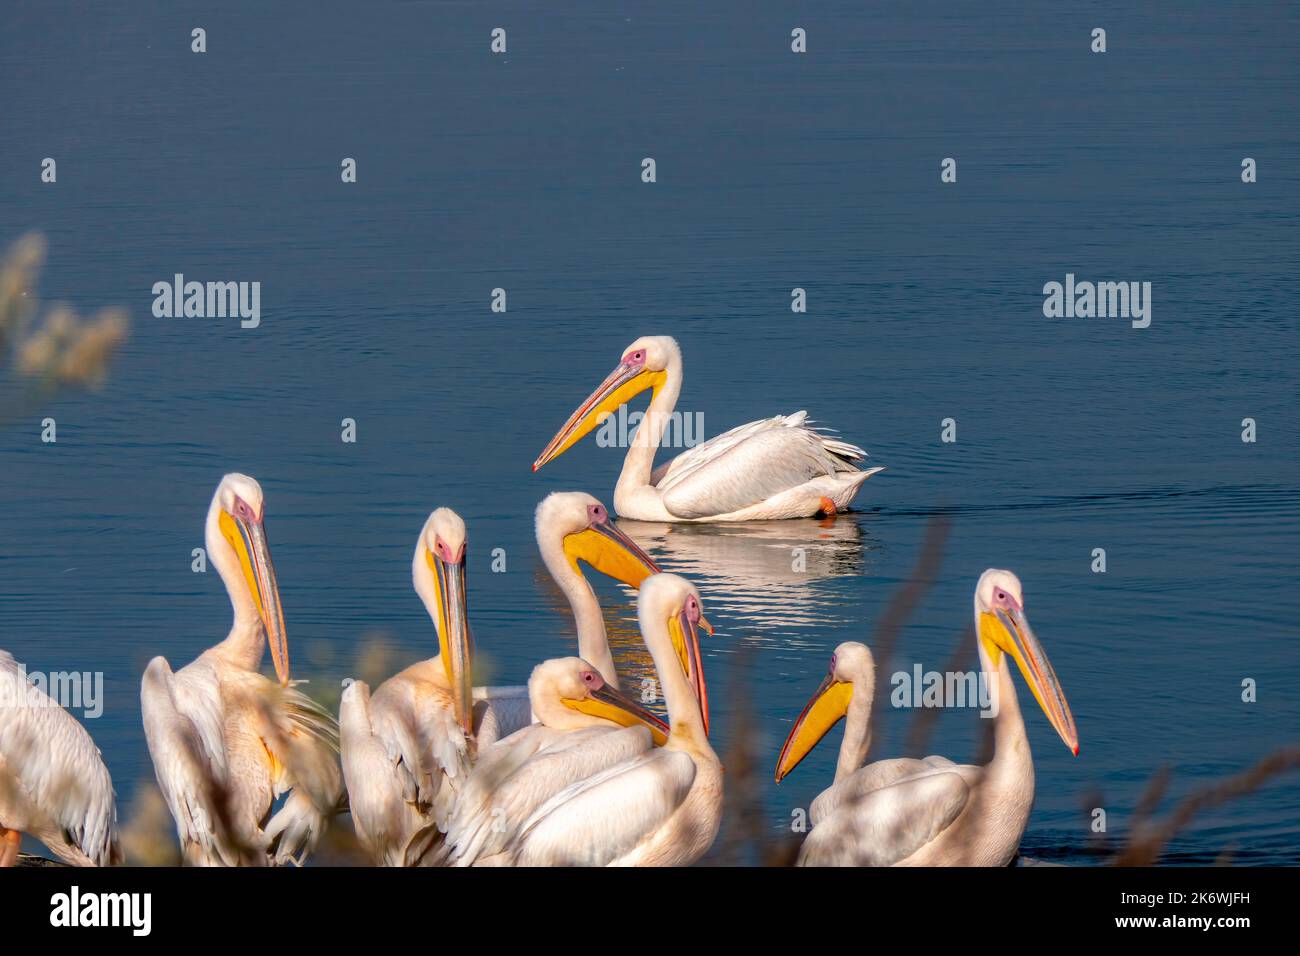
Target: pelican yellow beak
(607, 703)
(627, 381)
(248, 538)
(824, 710)
(686, 642)
(611, 552)
(455, 643)
(1009, 631)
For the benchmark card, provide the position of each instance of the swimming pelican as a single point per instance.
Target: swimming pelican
(930, 812)
(773, 468)
(657, 806)
(227, 742)
(572, 526)
(53, 782)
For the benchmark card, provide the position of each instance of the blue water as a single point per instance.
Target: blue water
(774, 171)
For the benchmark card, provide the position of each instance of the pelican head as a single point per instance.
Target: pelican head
(588, 701)
(670, 601)
(241, 519)
(644, 365)
(1003, 628)
(852, 670)
(438, 571)
(589, 535)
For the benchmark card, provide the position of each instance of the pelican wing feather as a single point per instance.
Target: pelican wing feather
(52, 776)
(303, 740)
(751, 464)
(182, 714)
(873, 776)
(521, 773)
(499, 712)
(885, 826)
(601, 819)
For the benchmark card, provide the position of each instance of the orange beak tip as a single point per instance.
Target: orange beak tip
(1076, 750)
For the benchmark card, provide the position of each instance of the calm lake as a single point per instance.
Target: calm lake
(775, 171)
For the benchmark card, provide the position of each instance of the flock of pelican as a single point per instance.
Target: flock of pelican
(565, 770)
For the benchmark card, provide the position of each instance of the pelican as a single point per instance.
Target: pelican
(227, 742)
(53, 782)
(572, 526)
(407, 749)
(584, 725)
(930, 812)
(615, 800)
(773, 468)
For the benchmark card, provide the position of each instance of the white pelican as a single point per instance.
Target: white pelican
(226, 742)
(571, 527)
(657, 806)
(407, 750)
(53, 782)
(584, 725)
(773, 468)
(930, 812)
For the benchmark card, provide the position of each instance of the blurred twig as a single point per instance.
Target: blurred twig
(1148, 840)
(903, 604)
(923, 724)
(747, 837)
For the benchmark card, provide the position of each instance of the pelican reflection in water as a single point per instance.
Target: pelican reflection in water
(774, 574)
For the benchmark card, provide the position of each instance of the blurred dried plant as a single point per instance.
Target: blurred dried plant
(149, 835)
(903, 603)
(1150, 837)
(747, 838)
(60, 351)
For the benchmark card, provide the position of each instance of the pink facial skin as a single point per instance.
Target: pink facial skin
(1003, 600)
(443, 551)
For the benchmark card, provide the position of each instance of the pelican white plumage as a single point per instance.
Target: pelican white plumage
(777, 467)
(53, 782)
(571, 527)
(407, 750)
(656, 806)
(930, 812)
(227, 742)
(583, 725)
